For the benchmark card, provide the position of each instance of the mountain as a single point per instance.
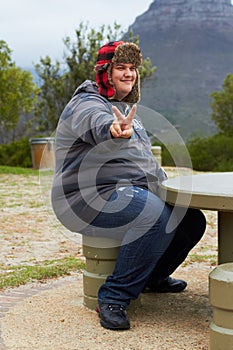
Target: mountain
(191, 44)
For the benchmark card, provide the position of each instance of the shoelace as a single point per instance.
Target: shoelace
(113, 307)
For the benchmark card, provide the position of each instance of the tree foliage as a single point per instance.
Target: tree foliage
(222, 107)
(80, 55)
(53, 95)
(212, 153)
(16, 153)
(59, 81)
(18, 92)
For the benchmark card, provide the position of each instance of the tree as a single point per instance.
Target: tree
(59, 81)
(53, 95)
(80, 56)
(18, 93)
(222, 107)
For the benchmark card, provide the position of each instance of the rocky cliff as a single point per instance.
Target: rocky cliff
(165, 13)
(191, 43)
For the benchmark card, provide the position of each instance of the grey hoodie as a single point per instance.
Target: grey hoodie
(90, 164)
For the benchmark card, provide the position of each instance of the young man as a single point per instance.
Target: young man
(106, 183)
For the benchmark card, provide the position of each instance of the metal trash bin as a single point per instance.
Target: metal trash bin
(42, 151)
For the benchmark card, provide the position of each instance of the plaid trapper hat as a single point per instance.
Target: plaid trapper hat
(117, 52)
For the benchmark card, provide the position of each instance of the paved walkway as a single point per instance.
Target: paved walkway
(11, 298)
(51, 316)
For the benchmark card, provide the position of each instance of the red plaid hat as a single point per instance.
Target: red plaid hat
(106, 53)
(116, 51)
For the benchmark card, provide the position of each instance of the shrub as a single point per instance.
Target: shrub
(214, 153)
(174, 155)
(17, 153)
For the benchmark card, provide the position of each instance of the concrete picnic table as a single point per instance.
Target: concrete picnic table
(210, 191)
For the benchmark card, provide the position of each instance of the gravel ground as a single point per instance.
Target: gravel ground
(56, 318)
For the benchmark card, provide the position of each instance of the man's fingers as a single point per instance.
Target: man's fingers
(127, 133)
(118, 114)
(131, 114)
(116, 128)
(122, 126)
(120, 117)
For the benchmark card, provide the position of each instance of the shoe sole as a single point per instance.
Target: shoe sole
(122, 328)
(174, 290)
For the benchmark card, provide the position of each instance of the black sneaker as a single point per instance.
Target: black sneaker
(166, 285)
(113, 316)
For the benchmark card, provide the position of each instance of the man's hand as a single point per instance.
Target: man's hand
(122, 126)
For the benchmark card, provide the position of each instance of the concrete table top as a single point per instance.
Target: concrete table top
(212, 191)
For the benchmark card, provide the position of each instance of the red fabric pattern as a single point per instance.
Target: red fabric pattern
(104, 58)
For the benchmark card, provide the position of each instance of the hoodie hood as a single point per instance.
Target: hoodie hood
(87, 86)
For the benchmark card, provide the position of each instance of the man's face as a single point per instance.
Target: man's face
(123, 79)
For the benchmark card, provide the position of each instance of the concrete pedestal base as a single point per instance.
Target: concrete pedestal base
(156, 150)
(101, 255)
(221, 298)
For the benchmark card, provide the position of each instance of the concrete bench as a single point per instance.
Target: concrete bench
(101, 255)
(221, 298)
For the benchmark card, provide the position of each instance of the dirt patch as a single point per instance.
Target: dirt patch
(29, 231)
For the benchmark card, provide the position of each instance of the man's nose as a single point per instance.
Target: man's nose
(128, 71)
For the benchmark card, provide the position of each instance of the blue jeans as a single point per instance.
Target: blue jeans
(149, 250)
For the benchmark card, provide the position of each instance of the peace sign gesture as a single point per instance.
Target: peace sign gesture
(122, 126)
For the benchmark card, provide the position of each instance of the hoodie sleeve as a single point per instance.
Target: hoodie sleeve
(91, 120)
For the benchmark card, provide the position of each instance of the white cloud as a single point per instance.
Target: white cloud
(35, 28)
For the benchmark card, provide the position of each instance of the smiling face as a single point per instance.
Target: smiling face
(117, 71)
(123, 78)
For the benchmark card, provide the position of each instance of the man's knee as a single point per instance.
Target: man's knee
(195, 223)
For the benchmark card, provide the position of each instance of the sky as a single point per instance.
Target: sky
(35, 28)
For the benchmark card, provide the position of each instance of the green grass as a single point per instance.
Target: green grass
(15, 276)
(192, 258)
(18, 170)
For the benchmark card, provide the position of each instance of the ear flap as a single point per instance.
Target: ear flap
(105, 88)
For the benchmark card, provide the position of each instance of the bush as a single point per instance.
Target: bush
(17, 153)
(175, 155)
(212, 154)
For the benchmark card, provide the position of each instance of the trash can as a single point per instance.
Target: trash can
(42, 151)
